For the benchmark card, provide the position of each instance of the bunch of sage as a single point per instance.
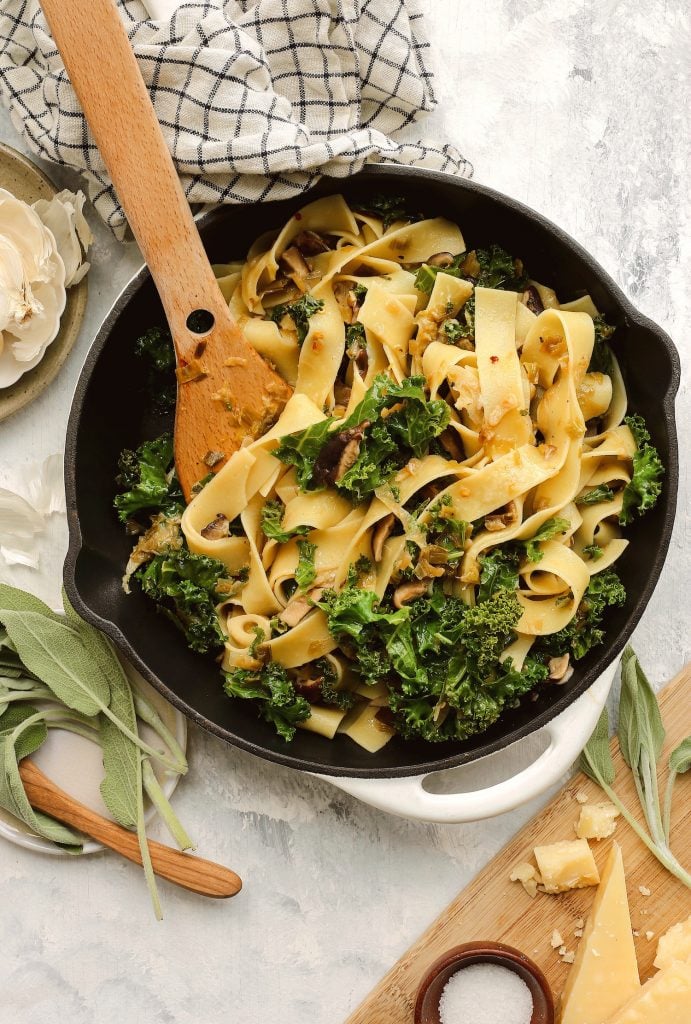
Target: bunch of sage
(58, 672)
(641, 735)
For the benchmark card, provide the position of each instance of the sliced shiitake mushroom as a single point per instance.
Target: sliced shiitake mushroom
(502, 520)
(560, 671)
(407, 592)
(440, 259)
(310, 243)
(531, 299)
(338, 454)
(217, 529)
(380, 535)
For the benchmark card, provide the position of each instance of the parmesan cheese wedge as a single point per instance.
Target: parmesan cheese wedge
(605, 974)
(665, 999)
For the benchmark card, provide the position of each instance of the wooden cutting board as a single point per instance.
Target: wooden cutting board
(492, 907)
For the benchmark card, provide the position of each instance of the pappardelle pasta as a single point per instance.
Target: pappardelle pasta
(427, 532)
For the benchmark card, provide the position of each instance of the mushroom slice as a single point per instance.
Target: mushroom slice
(380, 535)
(296, 268)
(560, 671)
(501, 520)
(217, 529)
(531, 299)
(296, 609)
(440, 259)
(408, 592)
(338, 454)
(310, 243)
(433, 561)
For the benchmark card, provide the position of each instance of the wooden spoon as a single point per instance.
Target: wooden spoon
(218, 404)
(193, 873)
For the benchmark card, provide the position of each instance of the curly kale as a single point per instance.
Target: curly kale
(330, 694)
(384, 444)
(436, 655)
(389, 208)
(148, 477)
(306, 571)
(583, 631)
(299, 312)
(601, 359)
(187, 588)
(272, 518)
(643, 490)
(549, 529)
(597, 494)
(155, 346)
(271, 686)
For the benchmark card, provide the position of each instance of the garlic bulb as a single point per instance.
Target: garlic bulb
(32, 287)
(64, 215)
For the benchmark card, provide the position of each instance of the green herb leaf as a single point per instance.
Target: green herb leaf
(645, 486)
(22, 731)
(272, 687)
(597, 494)
(596, 760)
(306, 572)
(679, 764)
(300, 312)
(272, 517)
(148, 477)
(549, 529)
(427, 275)
(498, 571)
(593, 551)
(389, 208)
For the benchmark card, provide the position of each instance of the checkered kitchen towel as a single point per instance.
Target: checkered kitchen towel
(257, 98)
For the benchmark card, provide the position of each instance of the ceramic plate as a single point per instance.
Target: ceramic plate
(75, 765)
(20, 177)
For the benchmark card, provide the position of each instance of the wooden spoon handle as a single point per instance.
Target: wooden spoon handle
(193, 873)
(104, 73)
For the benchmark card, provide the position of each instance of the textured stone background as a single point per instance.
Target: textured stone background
(581, 111)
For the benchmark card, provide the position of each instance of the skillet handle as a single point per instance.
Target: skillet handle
(104, 74)
(568, 733)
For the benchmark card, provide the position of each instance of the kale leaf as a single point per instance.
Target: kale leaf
(582, 633)
(643, 490)
(279, 704)
(300, 312)
(156, 347)
(550, 528)
(272, 517)
(498, 571)
(427, 274)
(389, 208)
(601, 359)
(306, 572)
(148, 477)
(600, 493)
(185, 586)
(385, 444)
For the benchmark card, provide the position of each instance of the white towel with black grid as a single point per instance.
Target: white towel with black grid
(257, 98)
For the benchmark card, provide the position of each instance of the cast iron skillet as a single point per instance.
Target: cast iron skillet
(111, 411)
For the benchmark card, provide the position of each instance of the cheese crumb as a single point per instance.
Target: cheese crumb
(578, 932)
(556, 940)
(644, 890)
(650, 935)
(636, 933)
(562, 950)
(580, 922)
(529, 877)
(568, 958)
(581, 798)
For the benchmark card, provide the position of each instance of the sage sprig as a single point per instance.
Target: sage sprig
(641, 736)
(58, 672)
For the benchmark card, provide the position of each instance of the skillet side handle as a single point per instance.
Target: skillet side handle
(568, 733)
(104, 74)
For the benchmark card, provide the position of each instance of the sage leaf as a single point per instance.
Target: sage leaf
(21, 601)
(640, 722)
(679, 764)
(596, 760)
(54, 652)
(21, 733)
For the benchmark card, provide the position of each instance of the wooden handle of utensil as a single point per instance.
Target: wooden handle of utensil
(104, 73)
(193, 873)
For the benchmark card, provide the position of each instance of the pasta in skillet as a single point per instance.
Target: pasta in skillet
(427, 532)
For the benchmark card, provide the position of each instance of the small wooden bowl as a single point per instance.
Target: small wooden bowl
(432, 985)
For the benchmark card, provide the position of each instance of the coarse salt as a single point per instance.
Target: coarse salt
(485, 994)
